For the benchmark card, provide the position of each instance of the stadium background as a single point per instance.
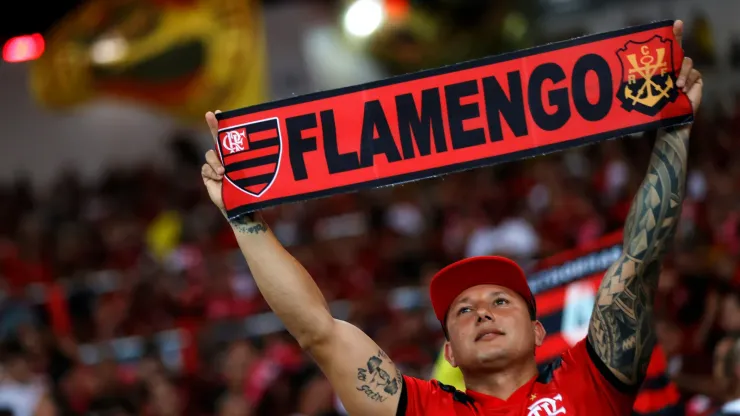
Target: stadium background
(123, 291)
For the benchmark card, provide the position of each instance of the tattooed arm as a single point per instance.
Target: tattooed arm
(621, 333)
(621, 329)
(363, 376)
(365, 379)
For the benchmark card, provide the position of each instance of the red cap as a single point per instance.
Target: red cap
(449, 282)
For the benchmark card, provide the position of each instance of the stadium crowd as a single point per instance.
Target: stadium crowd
(142, 251)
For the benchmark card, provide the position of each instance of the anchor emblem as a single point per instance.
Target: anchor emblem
(648, 83)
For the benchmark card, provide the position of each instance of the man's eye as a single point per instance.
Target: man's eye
(500, 301)
(463, 310)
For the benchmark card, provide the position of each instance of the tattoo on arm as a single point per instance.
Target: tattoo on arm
(248, 224)
(621, 328)
(377, 383)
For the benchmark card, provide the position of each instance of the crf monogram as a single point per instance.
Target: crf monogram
(650, 93)
(234, 141)
(547, 407)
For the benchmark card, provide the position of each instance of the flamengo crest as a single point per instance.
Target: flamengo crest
(251, 155)
(648, 75)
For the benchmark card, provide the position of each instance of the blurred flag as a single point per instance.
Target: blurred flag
(163, 234)
(184, 57)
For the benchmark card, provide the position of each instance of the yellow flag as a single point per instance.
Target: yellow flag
(447, 374)
(184, 57)
(164, 233)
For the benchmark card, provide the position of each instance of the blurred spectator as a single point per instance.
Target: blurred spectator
(22, 392)
(727, 374)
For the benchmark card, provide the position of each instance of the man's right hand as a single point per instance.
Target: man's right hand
(212, 171)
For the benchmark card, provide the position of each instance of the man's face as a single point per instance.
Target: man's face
(730, 313)
(720, 355)
(489, 327)
(238, 358)
(19, 369)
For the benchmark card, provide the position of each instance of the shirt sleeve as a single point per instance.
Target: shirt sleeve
(583, 369)
(414, 396)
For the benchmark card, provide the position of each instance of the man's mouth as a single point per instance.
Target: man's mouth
(488, 335)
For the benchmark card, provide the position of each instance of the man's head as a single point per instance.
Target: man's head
(727, 362)
(488, 314)
(730, 311)
(16, 361)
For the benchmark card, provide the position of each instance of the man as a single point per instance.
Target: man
(729, 318)
(657, 396)
(726, 373)
(712, 385)
(488, 313)
(21, 392)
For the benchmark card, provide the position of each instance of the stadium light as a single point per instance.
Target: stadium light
(108, 49)
(23, 48)
(364, 17)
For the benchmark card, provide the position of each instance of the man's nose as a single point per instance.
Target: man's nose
(484, 315)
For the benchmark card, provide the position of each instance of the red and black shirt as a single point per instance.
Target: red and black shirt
(577, 383)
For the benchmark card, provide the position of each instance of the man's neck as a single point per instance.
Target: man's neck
(501, 384)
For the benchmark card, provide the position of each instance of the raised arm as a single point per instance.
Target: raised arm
(365, 379)
(621, 329)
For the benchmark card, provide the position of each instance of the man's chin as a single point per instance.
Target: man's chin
(493, 359)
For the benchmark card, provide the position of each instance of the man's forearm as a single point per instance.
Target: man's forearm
(284, 283)
(656, 208)
(621, 329)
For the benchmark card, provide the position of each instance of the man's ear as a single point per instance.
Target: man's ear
(539, 333)
(449, 356)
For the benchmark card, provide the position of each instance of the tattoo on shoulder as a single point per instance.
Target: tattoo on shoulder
(376, 382)
(248, 224)
(621, 331)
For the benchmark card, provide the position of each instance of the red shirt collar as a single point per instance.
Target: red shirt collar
(521, 395)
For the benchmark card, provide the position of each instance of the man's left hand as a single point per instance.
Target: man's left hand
(689, 79)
